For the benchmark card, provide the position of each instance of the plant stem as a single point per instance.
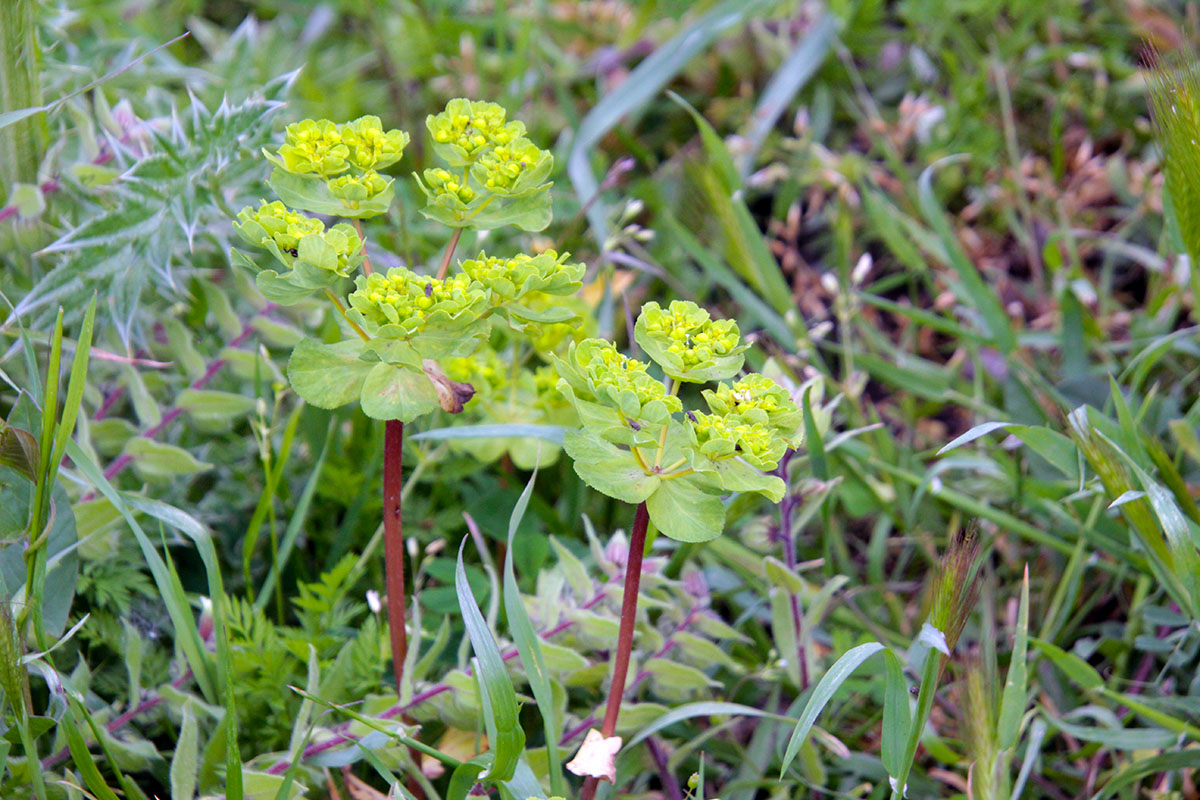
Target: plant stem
(633, 578)
(450, 248)
(366, 262)
(393, 544)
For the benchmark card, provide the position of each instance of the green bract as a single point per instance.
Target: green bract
(466, 129)
(597, 378)
(356, 189)
(314, 147)
(758, 399)
(402, 304)
(632, 446)
(513, 278)
(314, 257)
(688, 344)
(371, 148)
(514, 169)
(719, 437)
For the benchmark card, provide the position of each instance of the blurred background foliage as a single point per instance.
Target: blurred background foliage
(945, 214)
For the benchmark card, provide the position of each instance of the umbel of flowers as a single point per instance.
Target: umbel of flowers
(403, 326)
(638, 444)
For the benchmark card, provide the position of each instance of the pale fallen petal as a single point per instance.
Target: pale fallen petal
(597, 757)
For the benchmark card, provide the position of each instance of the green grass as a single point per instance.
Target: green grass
(946, 229)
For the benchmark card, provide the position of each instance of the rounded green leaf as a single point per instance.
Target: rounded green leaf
(684, 511)
(391, 392)
(327, 375)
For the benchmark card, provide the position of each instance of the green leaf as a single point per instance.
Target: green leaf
(327, 375)
(1012, 702)
(682, 510)
(209, 407)
(822, 693)
(391, 392)
(505, 734)
(311, 194)
(158, 461)
(19, 451)
(608, 469)
(1072, 665)
(896, 717)
(531, 212)
(185, 762)
(529, 645)
(546, 433)
(707, 708)
(735, 475)
(1176, 763)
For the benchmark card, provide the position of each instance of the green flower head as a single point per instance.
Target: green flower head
(514, 169)
(355, 189)
(687, 343)
(314, 147)
(758, 399)
(725, 436)
(371, 148)
(298, 241)
(442, 183)
(467, 129)
(275, 222)
(595, 371)
(510, 278)
(401, 303)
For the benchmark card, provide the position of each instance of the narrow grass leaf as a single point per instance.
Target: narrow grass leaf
(187, 635)
(830, 682)
(896, 717)
(529, 646)
(508, 739)
(1072, 665)
(1012, 701)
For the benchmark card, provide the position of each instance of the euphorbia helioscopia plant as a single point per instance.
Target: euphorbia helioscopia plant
(639, 445)
(401, 325)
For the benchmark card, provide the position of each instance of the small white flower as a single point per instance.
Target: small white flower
(373, 601)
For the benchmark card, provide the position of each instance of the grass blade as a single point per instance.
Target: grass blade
(495, 687)
(530, 649)
(822, 694)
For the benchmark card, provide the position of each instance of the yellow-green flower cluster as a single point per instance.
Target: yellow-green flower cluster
(547, 337)
(401, 303)
(276, 222)
(724, 436)
(355, 189)
(314, 147)
(467, 129)
(291, 237)
(370, 147)
(510, 278)
(594, 370)
(690, 333)
(758, 399)
(509, 169)
(444, 183)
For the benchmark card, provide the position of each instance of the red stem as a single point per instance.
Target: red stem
(633, 579)
(393, 544)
